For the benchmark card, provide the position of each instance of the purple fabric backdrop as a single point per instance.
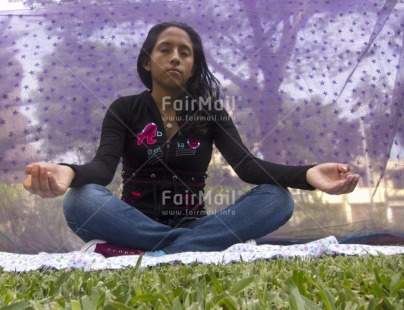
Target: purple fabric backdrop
(306, 82)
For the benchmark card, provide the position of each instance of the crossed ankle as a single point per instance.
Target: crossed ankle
(108, 249)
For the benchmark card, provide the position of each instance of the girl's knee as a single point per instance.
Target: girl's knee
(282, 197)
(76, 199)
(69, 204)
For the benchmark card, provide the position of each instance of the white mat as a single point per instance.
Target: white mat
(235, 253)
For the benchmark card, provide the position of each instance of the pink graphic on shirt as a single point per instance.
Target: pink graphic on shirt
(193, 143)
(148, 133)
(136, 194)
(131, 200)
(189, 201)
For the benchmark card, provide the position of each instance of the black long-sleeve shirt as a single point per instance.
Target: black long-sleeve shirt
(155, 169)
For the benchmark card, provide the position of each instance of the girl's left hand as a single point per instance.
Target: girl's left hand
(332, 178)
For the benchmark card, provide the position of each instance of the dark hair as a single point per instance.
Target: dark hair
(203, 84)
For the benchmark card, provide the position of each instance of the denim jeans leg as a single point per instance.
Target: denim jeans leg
(92, 212)
(255, 214)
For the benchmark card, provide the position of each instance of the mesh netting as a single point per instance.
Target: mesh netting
(305, 81)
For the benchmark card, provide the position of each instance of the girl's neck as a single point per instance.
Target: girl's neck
(164, 100)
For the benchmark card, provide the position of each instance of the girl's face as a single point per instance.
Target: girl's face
(171, 61)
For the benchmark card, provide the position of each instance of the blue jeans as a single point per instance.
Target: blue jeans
(92, 212)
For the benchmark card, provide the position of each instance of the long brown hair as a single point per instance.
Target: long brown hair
(203, 86)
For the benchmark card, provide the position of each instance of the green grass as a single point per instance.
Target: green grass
(327, 283)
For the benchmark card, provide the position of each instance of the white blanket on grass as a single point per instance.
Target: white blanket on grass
(236, 253)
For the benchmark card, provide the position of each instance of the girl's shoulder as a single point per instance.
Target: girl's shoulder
(130, 103)
(128, 109)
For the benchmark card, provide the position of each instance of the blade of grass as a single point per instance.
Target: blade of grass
(396, 284)
(241, 285)
(16, 306)
(215, 281)
(295, 299)
(325, 294)
(75, 304)
(118, 305)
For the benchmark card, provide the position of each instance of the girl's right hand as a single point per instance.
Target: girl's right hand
(48, 180)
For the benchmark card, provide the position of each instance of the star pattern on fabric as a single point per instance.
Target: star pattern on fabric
(318, 83)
